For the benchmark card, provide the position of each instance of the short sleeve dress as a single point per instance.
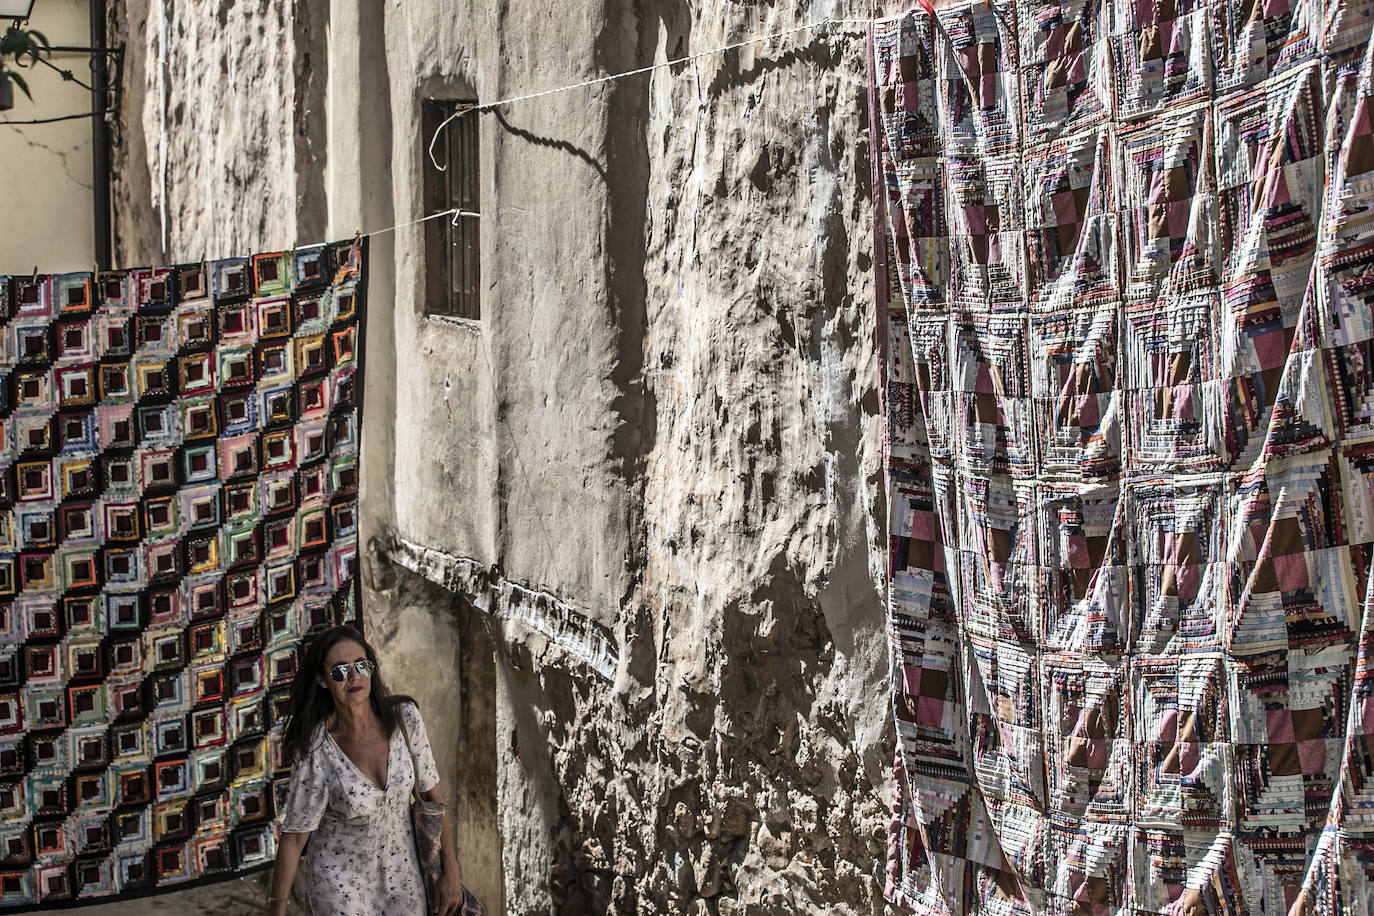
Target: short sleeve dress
(361, 855)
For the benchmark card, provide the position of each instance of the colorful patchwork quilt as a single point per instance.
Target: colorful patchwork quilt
(1126, 285)
(178, 507)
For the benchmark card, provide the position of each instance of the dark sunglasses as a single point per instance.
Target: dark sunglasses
(340, 672)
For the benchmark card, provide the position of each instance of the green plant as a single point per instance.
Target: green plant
(18, 45)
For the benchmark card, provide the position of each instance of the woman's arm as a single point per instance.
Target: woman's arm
(289, 846)
(450, 883)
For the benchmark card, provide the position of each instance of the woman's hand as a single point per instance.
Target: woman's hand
(449, 891)
(289, 847)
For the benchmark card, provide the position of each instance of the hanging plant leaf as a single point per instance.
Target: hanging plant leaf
(19, 81)
(21, 48)
(18, 43)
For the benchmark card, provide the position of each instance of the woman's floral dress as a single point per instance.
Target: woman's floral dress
(361, 855)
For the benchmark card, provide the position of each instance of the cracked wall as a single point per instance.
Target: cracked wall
(649, 475)
(48, 201)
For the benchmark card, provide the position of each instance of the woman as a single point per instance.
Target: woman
(351, 789)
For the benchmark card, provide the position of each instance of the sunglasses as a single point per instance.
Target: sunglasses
(340, 672)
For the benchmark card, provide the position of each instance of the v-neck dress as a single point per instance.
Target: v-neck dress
(361, 855)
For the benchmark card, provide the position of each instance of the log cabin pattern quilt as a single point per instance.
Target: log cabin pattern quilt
(1126, 282)
(178, 508)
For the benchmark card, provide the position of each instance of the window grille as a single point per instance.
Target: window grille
(452, 246)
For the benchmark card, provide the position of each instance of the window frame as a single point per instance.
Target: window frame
(453, 271)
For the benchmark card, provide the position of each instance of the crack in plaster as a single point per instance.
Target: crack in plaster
(59, 155)
(494, 594)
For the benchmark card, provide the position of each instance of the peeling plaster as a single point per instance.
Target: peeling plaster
(490, 592)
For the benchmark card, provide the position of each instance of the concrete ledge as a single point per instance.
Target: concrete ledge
(494, 594)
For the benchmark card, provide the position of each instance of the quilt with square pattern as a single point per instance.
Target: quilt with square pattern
(178, 507)
(1126, 282)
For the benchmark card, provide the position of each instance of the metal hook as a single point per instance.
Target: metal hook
(440, 129)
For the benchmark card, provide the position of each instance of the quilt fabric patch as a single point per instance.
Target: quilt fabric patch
(178, 507)
(1126, 283)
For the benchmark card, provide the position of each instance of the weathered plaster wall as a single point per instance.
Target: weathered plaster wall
(223, 123)
(669, 423)
(650, 468)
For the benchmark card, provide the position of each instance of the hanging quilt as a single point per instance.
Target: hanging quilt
(1126, 282)
(178, 506)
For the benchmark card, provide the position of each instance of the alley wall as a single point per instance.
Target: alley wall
(645, 483)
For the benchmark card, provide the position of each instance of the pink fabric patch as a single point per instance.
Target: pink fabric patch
(1054, 45)
(1291, 571)
(1178, 212)
(923, 526)
(982, 381)
(1270, 349)
(930, 711)
(1189, 581)
(1361, 117)
(1312, 755)
(911, 679)
(975, 219)
(988, 88)
(1367, 716)
(1065, 210)
(1159, 187)
(1184, 409)
(968, 61)
(1089, 410)
(1279, 726)
(1078, 71)
(1278, 189)
(1168, 725)
(1189, 758)
(995, 248)
(1169, 38)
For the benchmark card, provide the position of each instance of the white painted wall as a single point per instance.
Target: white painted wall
(46, 207)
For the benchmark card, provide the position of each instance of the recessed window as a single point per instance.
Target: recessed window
(452, 272)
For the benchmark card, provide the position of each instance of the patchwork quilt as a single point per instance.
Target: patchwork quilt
(178, 507)
(1126, 282)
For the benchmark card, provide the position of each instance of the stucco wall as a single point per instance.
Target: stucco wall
(649, 472)
(46, 207)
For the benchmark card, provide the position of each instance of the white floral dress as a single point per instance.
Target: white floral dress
(361, 856)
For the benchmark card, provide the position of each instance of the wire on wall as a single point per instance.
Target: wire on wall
(499, 103)
(487, 106)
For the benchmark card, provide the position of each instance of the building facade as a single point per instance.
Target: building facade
(622, 498)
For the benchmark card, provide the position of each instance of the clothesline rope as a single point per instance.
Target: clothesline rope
(455, 213)
(487, 106)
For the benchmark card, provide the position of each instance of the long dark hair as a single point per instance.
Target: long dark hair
(311, 705)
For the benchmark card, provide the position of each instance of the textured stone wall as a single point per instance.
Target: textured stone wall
(221, 128)
(646, 482)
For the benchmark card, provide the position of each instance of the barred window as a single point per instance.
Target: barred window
(452, 246)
